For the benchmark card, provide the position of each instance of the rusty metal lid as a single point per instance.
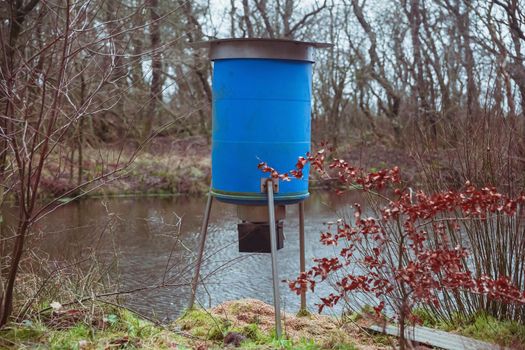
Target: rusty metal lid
(281, 49)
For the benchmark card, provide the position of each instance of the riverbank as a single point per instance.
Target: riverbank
(247, 324)
(168, 167)
(244, 324)
(165, 167)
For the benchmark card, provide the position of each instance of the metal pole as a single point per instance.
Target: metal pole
(202, 243)
(275, 274)
(302, 263)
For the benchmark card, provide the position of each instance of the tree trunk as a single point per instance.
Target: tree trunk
(18, 13)
(156, 67)
(246, 18)
(6, 306)
(469, 63)
(422, 106)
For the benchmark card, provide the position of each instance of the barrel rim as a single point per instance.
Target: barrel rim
(262, 48)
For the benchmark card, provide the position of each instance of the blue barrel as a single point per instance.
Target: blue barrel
(261, 113)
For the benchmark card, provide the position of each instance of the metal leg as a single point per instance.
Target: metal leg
(275, 274)
(302, 263)
(202, 243)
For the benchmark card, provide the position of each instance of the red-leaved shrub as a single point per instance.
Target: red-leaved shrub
(412, 249)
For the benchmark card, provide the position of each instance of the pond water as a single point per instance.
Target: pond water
(154, 239)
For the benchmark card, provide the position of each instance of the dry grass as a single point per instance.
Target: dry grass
(328, 332)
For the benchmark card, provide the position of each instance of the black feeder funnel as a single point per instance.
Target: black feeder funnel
(254, 230)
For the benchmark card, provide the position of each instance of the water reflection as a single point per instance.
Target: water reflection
(154, 239)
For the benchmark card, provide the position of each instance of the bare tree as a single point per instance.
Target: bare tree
(375, 69)
(56, 80)
(515, 17)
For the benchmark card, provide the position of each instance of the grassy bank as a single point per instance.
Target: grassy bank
(483, 327)
(149, 173)
(170, 166)
(90, 328)
(247, 324)
(250, 324)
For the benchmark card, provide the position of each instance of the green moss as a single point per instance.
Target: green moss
(344, 347)
(427, 318)
(202, 324)
(27, 332)
(281, 343)
(482, 327)
(303, 313)
(71, 338)
(431, 320)
(253, 333)
(111, 328)
(382, 339)
(489, 329)
(307, 344)
(354, 316)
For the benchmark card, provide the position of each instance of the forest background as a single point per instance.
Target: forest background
(436, 87)
(110, 97)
